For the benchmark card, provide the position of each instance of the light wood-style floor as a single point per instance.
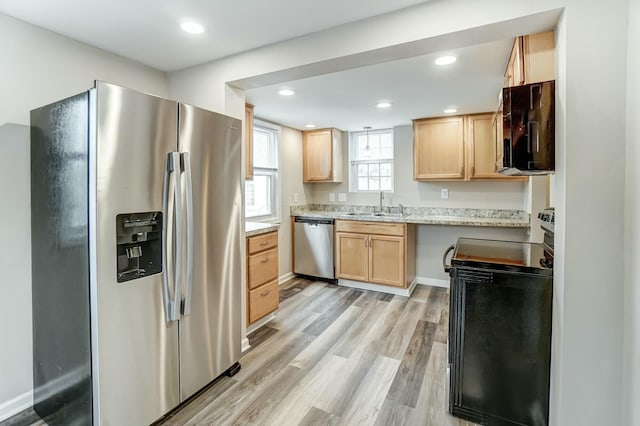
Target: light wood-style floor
(334, 356)
(337, 356)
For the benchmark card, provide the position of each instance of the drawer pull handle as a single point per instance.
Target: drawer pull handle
(264, 260)
(265, 293)
(264, 243)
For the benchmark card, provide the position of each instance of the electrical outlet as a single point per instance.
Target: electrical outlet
(332, 196)
(295, 197)
(342, 197)
(444, 194)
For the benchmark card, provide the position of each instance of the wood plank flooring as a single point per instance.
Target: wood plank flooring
(337, 356)
(334, 356)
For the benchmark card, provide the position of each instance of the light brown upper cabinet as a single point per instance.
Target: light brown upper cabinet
(532, 59)
(458, 148)
(514, 75)
(322, 155)
(483, 146)
(438, 148)
(248, 141)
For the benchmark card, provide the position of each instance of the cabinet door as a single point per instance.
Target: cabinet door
(514, 74)
(387, 260)
(248, 141)
(539, 57)
(438, 148)
(352, 256)
(317, 156)
(482, 149)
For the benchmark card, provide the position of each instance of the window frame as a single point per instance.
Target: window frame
(354, 163)
(273, 172)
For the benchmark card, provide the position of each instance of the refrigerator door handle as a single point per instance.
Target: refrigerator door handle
(186, 301)
(178, 236)
(171, 178)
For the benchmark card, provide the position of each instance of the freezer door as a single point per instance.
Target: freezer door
(137, 348)
(210, 325)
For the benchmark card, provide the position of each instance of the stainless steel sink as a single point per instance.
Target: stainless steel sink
(391, 214)
(379, 214)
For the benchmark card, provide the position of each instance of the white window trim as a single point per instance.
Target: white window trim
(353, 164)
(276, 187)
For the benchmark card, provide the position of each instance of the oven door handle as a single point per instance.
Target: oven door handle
(446, 267)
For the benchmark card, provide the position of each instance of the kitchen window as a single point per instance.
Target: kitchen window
(261, 193)
(371, 160)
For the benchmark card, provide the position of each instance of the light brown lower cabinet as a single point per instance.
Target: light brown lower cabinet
(375, 252)
(262, 276)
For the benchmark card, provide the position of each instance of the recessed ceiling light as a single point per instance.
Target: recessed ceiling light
(450, 110)
(309, 126)
(445, 60)
(192, 27)
(384, 104)
(286, 92)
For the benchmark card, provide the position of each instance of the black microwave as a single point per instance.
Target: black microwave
(528, 129)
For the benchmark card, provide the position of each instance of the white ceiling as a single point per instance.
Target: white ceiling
(148, 31)
(416, 87)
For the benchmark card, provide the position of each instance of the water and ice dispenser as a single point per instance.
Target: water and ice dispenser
(139, 245)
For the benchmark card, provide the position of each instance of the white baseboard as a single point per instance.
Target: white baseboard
(286, 277)
(381, 288)
(245, 345)
(260, 323)
(16, 405)
(433, 282)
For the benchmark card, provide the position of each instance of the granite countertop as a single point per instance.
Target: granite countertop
(422, 215)
(257, 228)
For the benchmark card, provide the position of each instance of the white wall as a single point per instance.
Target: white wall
(432, 240)
(38, 67)
(589, 208)
(290, 184)
(588, 320)
(631, 389)
(15, 264)
(480, 194)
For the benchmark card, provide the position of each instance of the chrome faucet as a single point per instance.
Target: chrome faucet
(401, 208)
(381, 198)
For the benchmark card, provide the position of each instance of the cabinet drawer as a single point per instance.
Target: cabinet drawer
(380, 228)
(262, 267)
(263, 300)
(262, 242)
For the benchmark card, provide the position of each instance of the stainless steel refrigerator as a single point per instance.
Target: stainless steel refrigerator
(136, 233)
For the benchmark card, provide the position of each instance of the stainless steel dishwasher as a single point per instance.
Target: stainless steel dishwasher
(313, 247)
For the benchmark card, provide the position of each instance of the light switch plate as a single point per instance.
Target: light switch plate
(444, 194)
(332, 196)
(342, 197)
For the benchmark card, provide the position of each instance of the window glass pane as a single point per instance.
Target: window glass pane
(261, 148)
(363, 184)
(386, 141)
(258, 196)
(374, 184)
(362, 146)
(385, 184)
(371, 159)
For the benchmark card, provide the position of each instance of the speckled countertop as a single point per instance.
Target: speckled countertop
(257, 228)
(421, 215)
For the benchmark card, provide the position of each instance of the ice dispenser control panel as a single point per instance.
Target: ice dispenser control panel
(139, 245)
